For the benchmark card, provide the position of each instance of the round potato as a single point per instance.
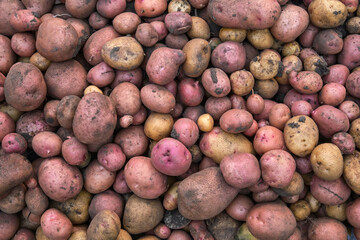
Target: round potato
(55, 224)
(157, 98)
(105, 225)
(326, 228)
(97, 178)
(197, 52)
(158, 126)
(327, 13)
(267, 65)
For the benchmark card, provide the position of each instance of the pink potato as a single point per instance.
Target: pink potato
(9, 224)
(25, 20)
(344, 142)
(353, 213)
(260, 186)
(325, 228)
(7, 125)
(351, 109)
(14, 143)
(277, 168)
(7, 55)
(268, 195)
(97, 179)
(23, 44)
(143, 179)
(293, 96)
(235, 121)
(101, 75)
(239, 207)
(217, 106)
(108, 200)
(24, 234)
(55, 224)
(305, 82)
(265, 113)
(332, 94)
(47, 144)
(240, 170)
(303, 165)
(194, 113)
(133, 76)
(110, 9)
(301, 107)
(96, 21)
(160, 29)
(178, 22)
(126, 97)
(190, 92)
(353, 84)
(59, 180)
(120, 185)
(74, 152)
(169, 156)
(132, 141)
(229, 56)
(186, 131)
(268, 138)
(216, 82)
(349, 56)
(111, 157)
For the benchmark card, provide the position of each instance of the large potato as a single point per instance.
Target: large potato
(301, 135)
(141, 215)
(327, 13)
(94, 119)
(204, 194)
(217, 144)
(244, 14)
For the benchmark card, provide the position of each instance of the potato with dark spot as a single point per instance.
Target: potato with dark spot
(126, 22)
(352, 170)
(328, 42)
(9, 224)
(216, 82)
(146, 35)
(24, 20)
(105, 225)
(349, 56)
(157, 98)
(222, 226)
(186, 131)
(229, 56)
(217, 106)
(198, 193)
(235, 121)
(142, 215)
(267, 65)
(197, 52)
(306, 82)
(14, 202)
(178, 22)
(7, 55)
(65, 110)
(266, 88)
(242, 82)
(199, 28)
(327, 13)
(150, 8)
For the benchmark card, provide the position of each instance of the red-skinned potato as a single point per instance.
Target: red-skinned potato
(109, 9)
(55, 224)
(157, 98)
(322, 228)
(235, 121)
(216, 82)
(217, 106)
(23, 44)
(9, 224)
(107, 200)
(80, 9)
(14, 143)
(268, 138)
(229, 56)
(97, 178)
(132, 141)
(46, 144)
(126, 22)
(349, 56)
(178, 22)
(150, 8)
(351, 109)
(186, 131)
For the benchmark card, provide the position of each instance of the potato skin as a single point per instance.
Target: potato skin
(105, 225)
(281, 226)
(24, 87)
(236, 121)
(327, 14)
(36, 200)
(97, 178)
(55, 224)
(328, 42)
(325, 228)
(126, 97)
(94, 119)
(229, 56)
(256, 15)
(216, 82)
(59, 180)
(14, 202)
(9, 224)
(306, 82)
(199, 201)
(268, 138)
(198, 54)
(157, 98)
(351, 170)
(7, 55)
(349, 56)
(7, 8)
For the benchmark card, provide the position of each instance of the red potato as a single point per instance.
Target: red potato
(352, 84)
(143, 179)
(146, 35)
(265, 114)
(328, 41)
(126, 97)
(268, 138)
(349, 56)
(7, 125)
(162, 231)
(160, 29)
(133, 76)
(24, 20)
(163, 65)
(111, 157)
(326, 228)
(47, 144)
(216, 82)
(7, 8)
(279, 115)
(14, 143)
(306, 82)
(332, 94)
(186, 131)
(24, 234)
(140, 117)
(194, 113)
(55, 224)
(176, 41)
(353, 213)
(107, 200)
(178, 22)
(255, 104)
(80, 9)
(172, 86)
(96, 21)
(351, 109)
(157, 98)
(74, 152)
(199, 231)
(303, 165)
(229, 56)
(238, 102)
(235, 121)
(171, 157)
(236, 168)
(97, 179)
(252, 130)
(132, 141)
(268, 195)
(216, 107)
(152, 8)
(101, 75)
(110, 9)
(240, 207)
(293, 96)
(50, 113)
(9, 224)
(120, 185)
(301, 107)
(190, 92)
(23, 44)
(126, 22)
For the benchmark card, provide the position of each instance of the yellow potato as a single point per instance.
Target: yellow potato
(260, 39)
(198, 54)
(301, 210)
(232, 34)
(158, 126)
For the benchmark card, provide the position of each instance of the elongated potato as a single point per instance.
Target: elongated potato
(198, 54)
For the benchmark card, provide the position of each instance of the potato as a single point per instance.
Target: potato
(38, 7)
(329, 192)
(179, 5)
(314, 203)
(36, 200)
(281, 226)
(50, 113)
(109, 9)
(197, 52)
(233, 14)
(351, 170)
(222, 226)
(169, 156)
(9, 224)
(163, 65)
(352, 25)
(239, 207)
(179, 235)
(146, 35)
(178, 22)
(260, 39)
(97, 178)
(14, 202)
(216, 82)
(293, 96)
(122, 53)
(24, 20)
(65, 110)
(267, 65)
(217, 144)
(24, 234)
(217, 106)
(242, 82)
(186, 131)
(291, 24)
(295, 140)
(176, 41)
(351, 109)
(151, 8)
(14, 143)
(157, 98)
(326, 228)
(232, 34)
(55, 224)
(229, 56)
(268, 138)
(300, 209)
(205, 122)
(349, 54)
(337, 73)
(142, 215)
(108, 200)
(316, 63)
(332, 94)
(291, 49)
(98, 22)
(235, 121)
(199, 28)
(266, 88)
(23, 44)
(46, 144)
(143, 179)
(75, 152)
(126, 22)
(327, 14)
(80, 9)
(305, 82)
(301, 107)
(94, 112)
(336, 211)
(133, 140)
(328, 42)
(7, 125)
(14, 169)
(7, 9)
(39, 61)
(93, 47)
(255, 104)
(196, 201)
(352, 83)
(105, 225)
(58, 180)
(24, 87)
(330, 120)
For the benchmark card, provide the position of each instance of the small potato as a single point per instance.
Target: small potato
(291, 49)
(197, 52)
(176, 41)
(301, 108)
(277, 168)
(336, 211)
(293, 96)
(344, 142)
(101, 75)
(110, 9)
(74, 152)
(267, 65)
(105, 225)
(279, 115)
(327, 14)
(351, 109)
(295, 187)
(39, 61)
(133, 140)
(199, 28)
(268, 138)
(146, 35)
(240, 207)
(332, 94)
(50, 112)
(14, 143)
(97, 22)
(229, 56)
(143, 179)
(235, 121)
(186, 131)
(235, 168)
(232, 34)
(324, 227)
(260, 39)
(281, 216)
(24, 20)
(122, 53)
(352, 83)
(290, 63)
(314, 203)
(111, 157)
(157, 98)
(242, 82)
(179, 5)
(55, 224)
(353, 25)
(351, 171)
(47, 144)
(205, 122)
(217, 106)
(107, 200)
(133, 76)
(97, 178)
(255, 104)
(126, 97)
(266, 88)
(126, 22)
(120, 185)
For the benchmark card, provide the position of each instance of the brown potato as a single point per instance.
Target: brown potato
(198, 54)
(291, 49)
(351, 171)
(199, 28)
(232, 34)
(301, 210)
(142, 215)
(97, 179)
(126, 22)
(65, 110)
(146, 35)
(133, 140)
(242, 82)
(196, 201)
(266, 88)
(314, 203)
(260, 39)
(105, 225)
(36, 200)
(222, 226)
(39, 61)
(295, 187)
(290, 63)
(267, 65)
(157, 98)
(336, 211)
(9, 224)
(327, 14)
(317, 64)
(14, 202)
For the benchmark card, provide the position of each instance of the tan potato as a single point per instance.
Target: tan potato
(327, 13)
(126, 22)
(327, 161)
(78, 235)
(205, 122)
(314, 203)
(142, 215)
(336, 211)
(105, 225)
(266, 88)
(317, 64)
(301, 135)
(260, 39)
(295, 187)
(301, 210)
(353, 25)
(232, 34)
(242, 82)
(39, 61)
(123, 235)
(158, 126)
(179, 6)
(199, 29)
(352, 170)
(290, 63)
(354, 131)
(267, 65)
(198, 54)
(291, 48)
(123, 53)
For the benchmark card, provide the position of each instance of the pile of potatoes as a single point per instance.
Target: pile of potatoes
(179, 119)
